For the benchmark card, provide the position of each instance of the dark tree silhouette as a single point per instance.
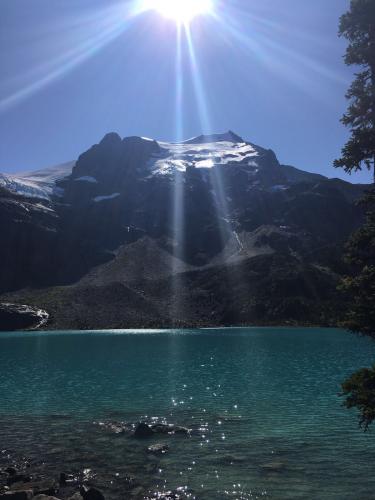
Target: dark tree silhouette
(358, 27)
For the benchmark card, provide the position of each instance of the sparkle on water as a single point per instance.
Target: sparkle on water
(262, 404)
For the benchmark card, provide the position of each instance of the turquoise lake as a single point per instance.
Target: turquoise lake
(262, 403)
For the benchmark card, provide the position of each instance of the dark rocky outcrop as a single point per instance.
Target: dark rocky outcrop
(21, 317)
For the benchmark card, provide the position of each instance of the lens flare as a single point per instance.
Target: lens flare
(181, 11)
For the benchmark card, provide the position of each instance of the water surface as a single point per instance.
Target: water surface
(263, 405)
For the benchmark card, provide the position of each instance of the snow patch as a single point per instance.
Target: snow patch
(98, 199)
(203, 155)
(43, 208)
(37, 184)
(278, 187)
(209, 163)
(87, 178)
(240, 245)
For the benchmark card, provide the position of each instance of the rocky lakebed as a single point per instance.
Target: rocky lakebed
(24, 479)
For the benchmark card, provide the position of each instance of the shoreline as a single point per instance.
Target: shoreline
(171, 329)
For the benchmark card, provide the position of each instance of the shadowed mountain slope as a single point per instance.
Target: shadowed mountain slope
(206, 232)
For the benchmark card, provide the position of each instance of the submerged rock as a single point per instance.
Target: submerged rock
(177, 429)
(169, 429)
(232, 459)
(115, 427)
(158, 448)
(162, 428)
(143, 430)
(21, 317)
(178, 494)
(273, 467)
(136, 492)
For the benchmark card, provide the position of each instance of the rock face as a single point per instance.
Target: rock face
(21, 317)
(215, 222)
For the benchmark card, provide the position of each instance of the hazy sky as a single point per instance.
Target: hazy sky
(73, 70)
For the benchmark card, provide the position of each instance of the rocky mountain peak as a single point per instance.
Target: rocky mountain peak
(132, 213)
(225, 137)
(110, 139)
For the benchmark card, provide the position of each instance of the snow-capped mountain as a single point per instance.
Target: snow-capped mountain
(202, 152)
(39, 184)
(132, 219)
(166, 159)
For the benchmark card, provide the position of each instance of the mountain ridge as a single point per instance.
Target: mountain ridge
(145, 218)
(48, 175)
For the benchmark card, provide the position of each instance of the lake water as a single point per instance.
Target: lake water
(263, 406)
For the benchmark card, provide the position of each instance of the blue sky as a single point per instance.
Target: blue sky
(73, 70)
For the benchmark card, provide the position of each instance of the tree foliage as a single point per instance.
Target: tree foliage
(358, 27)
(360, 287)
(359, 390)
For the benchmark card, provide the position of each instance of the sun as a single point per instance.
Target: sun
(181, 11)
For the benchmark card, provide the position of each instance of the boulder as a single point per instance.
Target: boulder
(67, 479)
(45, 487)
(18, 478)
(91, 493)
(76, 496)
(143, 431)
(17, 495)
(11, 471)
(44, 497)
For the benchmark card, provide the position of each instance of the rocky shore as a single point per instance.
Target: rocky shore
(23, 480)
